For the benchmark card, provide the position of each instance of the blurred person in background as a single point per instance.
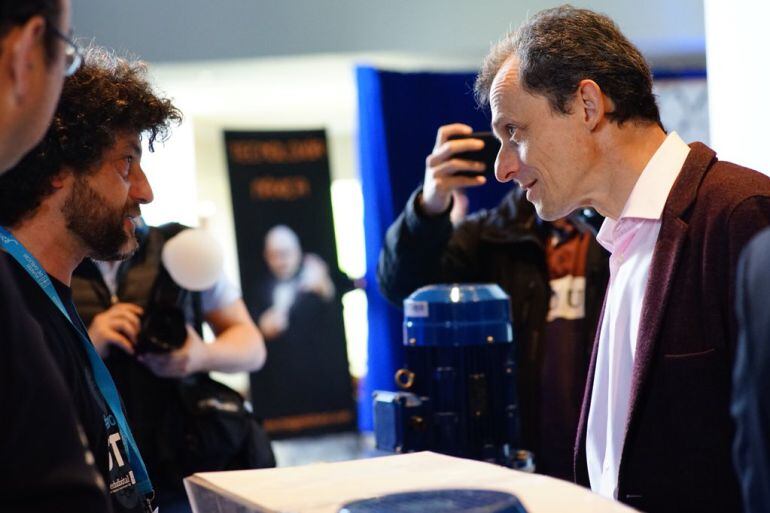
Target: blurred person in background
(298, 309)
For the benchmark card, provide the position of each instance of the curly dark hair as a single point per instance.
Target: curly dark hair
(106, 96)
(559, 47)
(14, 13)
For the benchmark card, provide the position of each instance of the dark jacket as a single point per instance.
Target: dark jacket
(676, 455)
(146, 396)
(503, 245)
(47, 466)
(751, 377)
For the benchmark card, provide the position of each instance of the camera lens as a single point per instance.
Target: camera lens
(163, 330)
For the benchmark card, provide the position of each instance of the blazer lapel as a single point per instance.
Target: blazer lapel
(664, 263)
(668, 248)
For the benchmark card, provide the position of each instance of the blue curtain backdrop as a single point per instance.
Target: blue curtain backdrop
(399, 114)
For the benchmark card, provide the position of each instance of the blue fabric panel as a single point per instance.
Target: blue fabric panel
(399, 114)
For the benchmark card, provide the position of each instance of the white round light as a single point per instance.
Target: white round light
(194, 259)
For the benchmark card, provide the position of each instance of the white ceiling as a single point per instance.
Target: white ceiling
(189, 30)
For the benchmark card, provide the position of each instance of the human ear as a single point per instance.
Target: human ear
(24, 43)
(592, 103)
(59, 180)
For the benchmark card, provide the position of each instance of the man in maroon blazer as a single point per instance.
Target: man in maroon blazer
(572, 103)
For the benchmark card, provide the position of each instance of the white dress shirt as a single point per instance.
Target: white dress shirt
(630, 240)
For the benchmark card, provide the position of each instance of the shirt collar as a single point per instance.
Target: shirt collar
(649, 195)
(605, 235)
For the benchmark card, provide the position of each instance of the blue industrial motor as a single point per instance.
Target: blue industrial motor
(458, 388)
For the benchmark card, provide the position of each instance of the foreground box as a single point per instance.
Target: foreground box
(325, 487)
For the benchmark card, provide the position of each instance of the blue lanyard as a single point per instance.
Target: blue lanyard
(102, 376)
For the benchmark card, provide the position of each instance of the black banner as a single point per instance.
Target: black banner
(280, 187)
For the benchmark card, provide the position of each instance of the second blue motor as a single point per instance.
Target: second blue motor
(457, 388)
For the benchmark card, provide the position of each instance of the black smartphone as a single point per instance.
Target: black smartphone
(485, 155)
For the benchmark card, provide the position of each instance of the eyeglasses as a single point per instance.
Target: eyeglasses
(73, 55)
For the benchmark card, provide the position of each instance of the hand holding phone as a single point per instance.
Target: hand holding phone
(487, 155)
(446, 170)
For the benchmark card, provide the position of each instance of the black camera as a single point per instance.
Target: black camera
(164, 325)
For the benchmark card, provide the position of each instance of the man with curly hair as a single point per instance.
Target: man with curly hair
(77, 195)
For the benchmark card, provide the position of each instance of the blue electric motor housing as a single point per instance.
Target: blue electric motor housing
(457, 315)
(457, 388)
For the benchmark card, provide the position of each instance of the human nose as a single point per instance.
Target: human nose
(141, 190)
(508, 164)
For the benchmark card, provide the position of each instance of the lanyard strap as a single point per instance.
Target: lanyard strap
(102, 376)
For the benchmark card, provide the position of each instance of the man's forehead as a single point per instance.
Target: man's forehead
(128, 141)
(281, 240)
(505, 83)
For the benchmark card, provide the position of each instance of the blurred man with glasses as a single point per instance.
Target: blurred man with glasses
(73, 56)
(35, 56)
(46, 464)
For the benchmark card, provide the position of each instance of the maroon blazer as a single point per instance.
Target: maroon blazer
(677, 449)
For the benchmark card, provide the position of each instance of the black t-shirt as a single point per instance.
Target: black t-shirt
(45, 465)
(68, 351)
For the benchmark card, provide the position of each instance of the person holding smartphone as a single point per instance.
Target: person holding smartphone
(554, 272)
